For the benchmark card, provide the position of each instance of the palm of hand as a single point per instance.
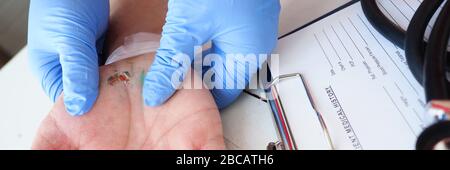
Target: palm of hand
(119, 120)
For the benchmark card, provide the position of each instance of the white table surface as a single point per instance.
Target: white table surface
(247, 124)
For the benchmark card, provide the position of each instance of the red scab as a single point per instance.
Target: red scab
(123, 77)
(113, 79)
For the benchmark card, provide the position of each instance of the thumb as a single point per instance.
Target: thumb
(166, 74)
(80, 74)
(181, 33)
(62, 40)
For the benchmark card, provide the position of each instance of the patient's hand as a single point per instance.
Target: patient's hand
(119, 119)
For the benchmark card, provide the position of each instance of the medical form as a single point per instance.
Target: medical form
(359, 81)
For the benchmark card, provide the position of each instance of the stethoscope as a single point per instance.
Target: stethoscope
(426, 59)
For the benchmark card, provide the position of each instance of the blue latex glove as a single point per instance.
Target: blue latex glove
(62, 49)
(233, 26)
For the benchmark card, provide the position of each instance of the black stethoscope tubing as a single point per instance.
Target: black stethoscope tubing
(428, 61)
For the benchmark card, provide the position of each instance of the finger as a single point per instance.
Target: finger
(220, 77)
(43, 58)
(79, 59)
(48, 70)
(80, 74)
(181, 32)
(240, 43)
(67, 57)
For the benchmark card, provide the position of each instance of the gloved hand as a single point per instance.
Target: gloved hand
(62, 45)
(233, 26)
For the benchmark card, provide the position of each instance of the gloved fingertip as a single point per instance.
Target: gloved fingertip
(156, 94)
(225, 98)
(153, 102)
(79, 106)
(153, 98)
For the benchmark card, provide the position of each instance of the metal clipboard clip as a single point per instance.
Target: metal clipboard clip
(294, 110)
